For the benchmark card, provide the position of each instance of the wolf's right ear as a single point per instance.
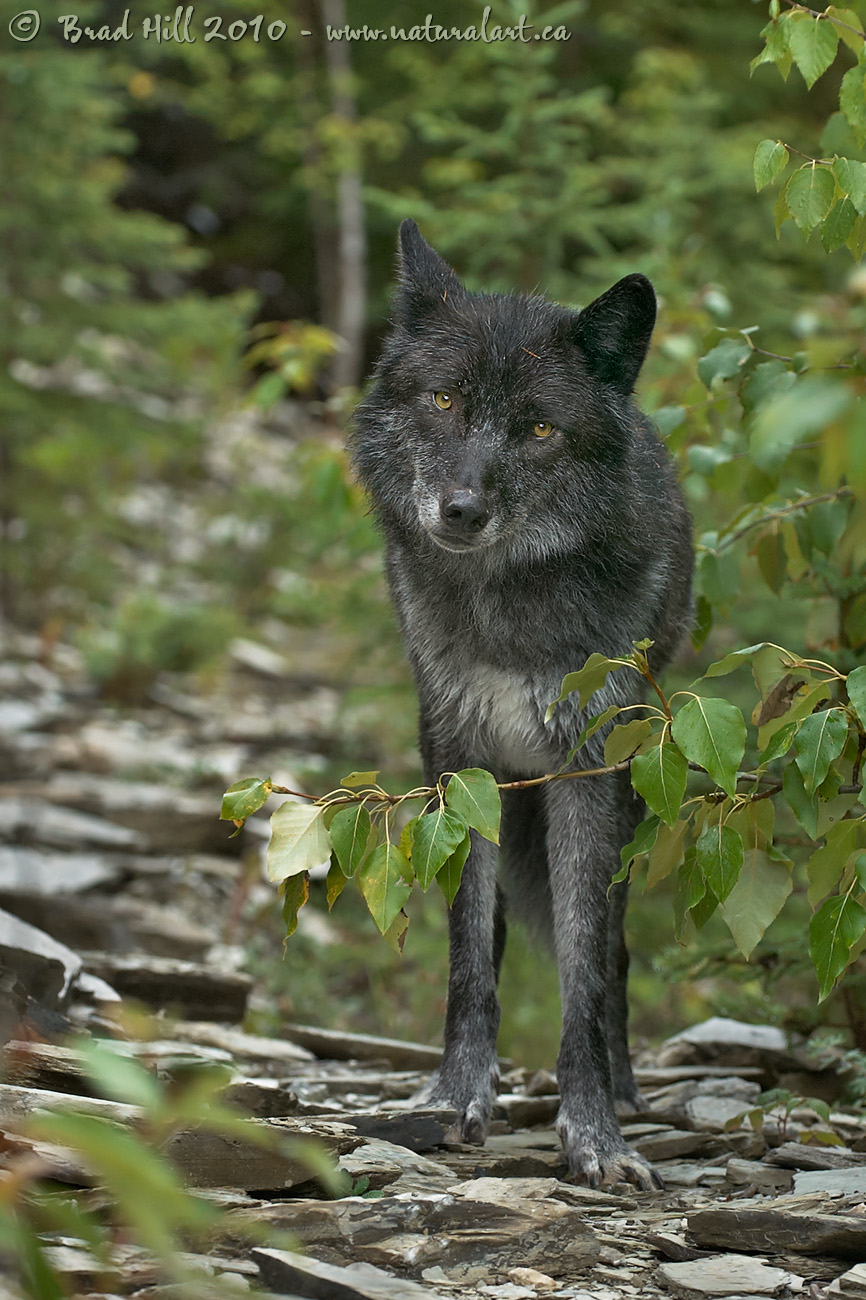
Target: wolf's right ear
(426, 279)
(614, 331)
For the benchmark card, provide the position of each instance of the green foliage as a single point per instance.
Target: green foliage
(828, 194)
(146, 1201)
(102, 386)
(145, 635)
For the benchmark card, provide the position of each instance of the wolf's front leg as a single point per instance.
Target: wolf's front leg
(468, 1076)
(581, 842)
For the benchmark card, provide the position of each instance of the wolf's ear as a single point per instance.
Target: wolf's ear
(614, 332)
(426, 279)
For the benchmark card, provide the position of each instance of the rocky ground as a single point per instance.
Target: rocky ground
(113, 887)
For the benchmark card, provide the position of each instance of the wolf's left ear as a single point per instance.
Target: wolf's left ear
(426, 279)
(614, 332)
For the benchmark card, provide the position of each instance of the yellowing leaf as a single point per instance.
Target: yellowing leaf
(299, 841)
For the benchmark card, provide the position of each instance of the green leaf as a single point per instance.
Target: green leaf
(851, 179)
(244, 798)
(820, 739)
(756, 899)
(448, 876)
(474, 796)
(666, 853)
(668, 418)
(385, 879)
(734, 660)
(771, 157)
(772, 559)
(856, 688)
(724, 361)
(295, 891)
(118, 1076)
(355, 779)
(712, 732)
(720, 858)
(776, 49)
(644, 839)
(592, 726)
(660, 777)
(780, 743)
(809, 195)
(803, 805)
(335, 882)
(395, 937)
(350, 835)
(586, 681)
(437, 835)
(833, 931)
(812, 42)
(704, 909)
(852, 101)
(838, 225)
(624, 740)
(843, 20)
(801, 413)
(826, 865)
(781, 212)
(299, 841)
(689, 889)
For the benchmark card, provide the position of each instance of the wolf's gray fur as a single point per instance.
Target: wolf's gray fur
(530, 517)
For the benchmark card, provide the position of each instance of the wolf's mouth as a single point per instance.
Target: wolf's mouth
(457, 545)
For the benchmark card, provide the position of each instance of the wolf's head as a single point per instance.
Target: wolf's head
(488, 410)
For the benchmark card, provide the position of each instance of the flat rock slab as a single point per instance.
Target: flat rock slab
(250, 1047)
(853, 1283)
(470, 1225)
(835, 1182)
(335, 1045)
(198, 991)
(37, 871)
(724, 1275)
(799, 1155)
(285, 1272)
(729, 1041)
(842, 1235)
(44, 968)
(208, 1159)
(415, 1130)
(38, 821)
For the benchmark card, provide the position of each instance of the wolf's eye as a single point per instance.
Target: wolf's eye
(542, 429)
(443, 400)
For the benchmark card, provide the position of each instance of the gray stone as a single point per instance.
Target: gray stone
(724, 1275)
(210, 1159)
(17, 1103)
(758, 1174)
(835, 1182)
(853, 1283)
(729, 1041)
(249, 1047)
(43, 967)
(713, 1114)
(335, 1045)
(194, 990)
(37, 871)
(383, 1163)
(116, 924)
(802, 1233)
(39, 821)
(670, 1143)
(284, 1271)
(417, 1131)
(802, 1155)
(474, 1224)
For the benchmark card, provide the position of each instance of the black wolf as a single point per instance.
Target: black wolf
(530, 517)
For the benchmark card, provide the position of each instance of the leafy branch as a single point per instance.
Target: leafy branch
(719, 840)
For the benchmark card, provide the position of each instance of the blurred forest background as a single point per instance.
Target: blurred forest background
(196, 253)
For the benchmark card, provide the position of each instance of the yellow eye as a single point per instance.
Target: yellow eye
(543, 429)
(443, 400)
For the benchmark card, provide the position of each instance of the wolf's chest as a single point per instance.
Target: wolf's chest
(496, 713)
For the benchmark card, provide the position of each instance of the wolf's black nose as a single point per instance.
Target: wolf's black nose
(464, 510)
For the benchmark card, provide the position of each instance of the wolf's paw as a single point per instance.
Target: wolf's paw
(594, 1160)
(472, 1100)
